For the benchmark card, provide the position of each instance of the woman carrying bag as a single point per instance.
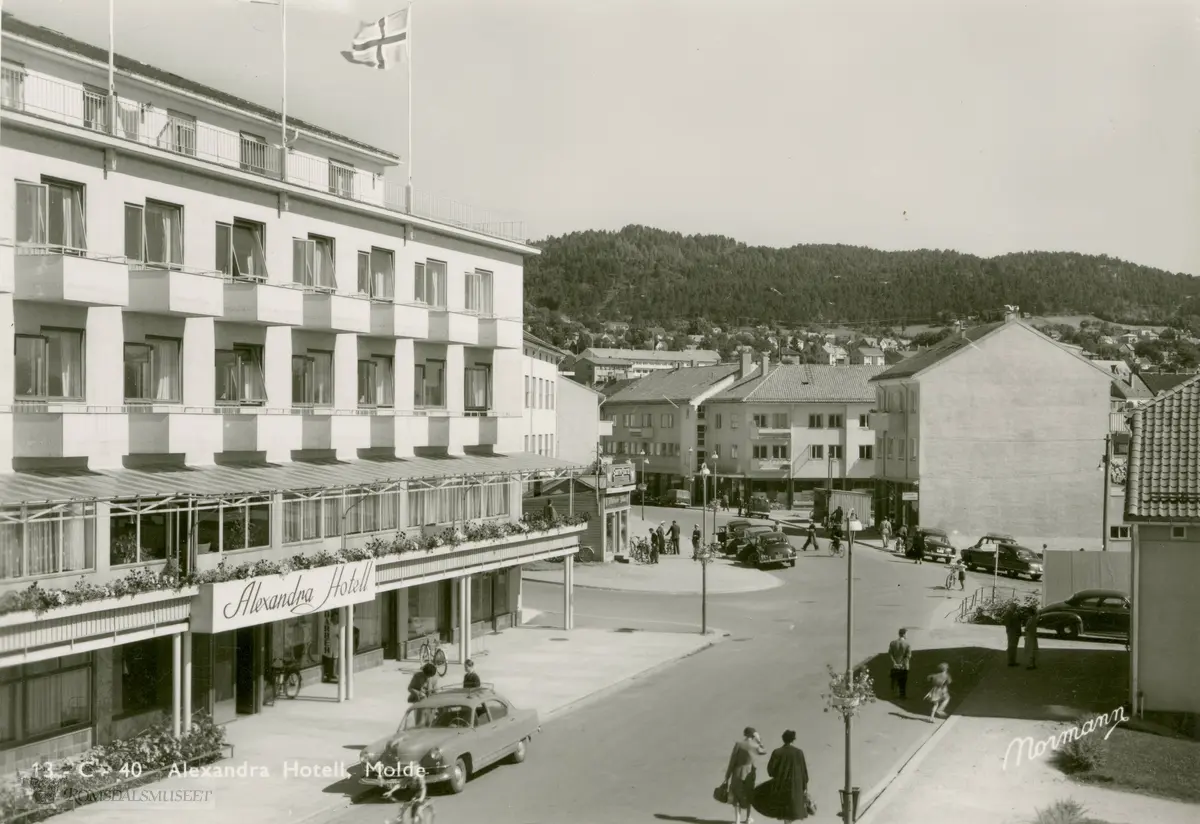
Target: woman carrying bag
(741, 776)
(786, 796)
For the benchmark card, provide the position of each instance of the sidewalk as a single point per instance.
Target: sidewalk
(284, 744)
(673, 575)
(960, 774)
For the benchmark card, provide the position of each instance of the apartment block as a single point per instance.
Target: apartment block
(539, 366)
(599, 365)
(226, 353)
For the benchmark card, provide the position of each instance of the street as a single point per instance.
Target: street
(654, 750)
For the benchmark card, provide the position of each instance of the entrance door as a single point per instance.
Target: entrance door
(224, 677)
(247, 662)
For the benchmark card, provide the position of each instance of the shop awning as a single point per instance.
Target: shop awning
(212, 481)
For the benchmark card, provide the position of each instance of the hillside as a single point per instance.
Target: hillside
(646, 275)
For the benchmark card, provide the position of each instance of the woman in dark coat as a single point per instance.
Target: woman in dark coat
(740, 776)
(785, 796)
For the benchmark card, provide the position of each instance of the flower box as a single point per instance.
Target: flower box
(99, 605)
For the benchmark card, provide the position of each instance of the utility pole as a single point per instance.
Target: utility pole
(1106, 465)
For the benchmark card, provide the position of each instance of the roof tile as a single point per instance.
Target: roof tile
(805, 382)
(681, 384)
(1164, 457)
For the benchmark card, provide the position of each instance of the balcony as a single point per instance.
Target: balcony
(153, 129)
(773, 432)
(176, 292)
(8, 266)
(1118, 422)
(453, 327)
(67, 430)
(69, 276)
(476, 429)
(336, 313)
(770, 464)
(158, 431)
(500, 333)
(270, 304)
(254, 429)
(386, 430)
(399, 320)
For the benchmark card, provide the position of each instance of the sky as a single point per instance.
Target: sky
(985, 126)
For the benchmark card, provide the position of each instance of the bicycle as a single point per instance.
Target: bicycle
(432, 653)
(284, 679)
(417, 811)
(835, 547)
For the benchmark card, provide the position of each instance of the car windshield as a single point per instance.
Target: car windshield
(425, 718)
(1027, 555)
(774, 538)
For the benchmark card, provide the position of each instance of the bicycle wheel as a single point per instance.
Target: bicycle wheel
(426, 653)
(291, 684)
(439, 661)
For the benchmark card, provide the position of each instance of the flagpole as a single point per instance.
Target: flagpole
(283, 151)
(408, 191)
(112, 83)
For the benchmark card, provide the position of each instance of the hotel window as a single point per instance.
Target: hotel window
(341, 178)
(816, 451)
(891, 448)
(479, 292)
(312, 262)
(866, 452)
(429, 280)
(779, 452)
(835, 451)
(312, 379)
(864, 421)
(760, 421)
(814, 421)
(51, 214)
(900, 400)
(375, 387)
(912, 448)
(700, 433)
(240, 249)
(180, 134)
(152, 371)
(477, 388)
(759, 451)
(47, 698)
(733, 451)
(46, 541)
(881, 399)
(429, 384)
(836, 422)
(154, 234)
(668, 421)
(377, 274)
(253, 153)
(12, 85)
(780, 421)
(49, 365)
(240, 375)
(719, 421)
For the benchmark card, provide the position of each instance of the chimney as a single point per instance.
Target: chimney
(746, 362)
(766, 361)
(1011, 313)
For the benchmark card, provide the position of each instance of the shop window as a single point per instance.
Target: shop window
(52, 696)
(44, 541)
(424, 610)
(482, 597)
(299, 639)
(142, 676)
(368, 625)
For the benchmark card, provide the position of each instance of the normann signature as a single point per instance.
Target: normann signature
(1038, 749)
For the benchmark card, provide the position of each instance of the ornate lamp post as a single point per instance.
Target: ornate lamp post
(645, 463)
(856, 695)
(704, 473)
(705, 556)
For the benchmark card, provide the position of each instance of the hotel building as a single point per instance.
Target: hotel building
(220, 352)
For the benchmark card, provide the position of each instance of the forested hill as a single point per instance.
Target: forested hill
(640, 274)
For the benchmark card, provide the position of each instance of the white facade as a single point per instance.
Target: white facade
(539, 421)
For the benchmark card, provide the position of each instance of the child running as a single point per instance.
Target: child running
(939, 691)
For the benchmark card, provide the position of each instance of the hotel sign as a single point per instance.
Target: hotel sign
(245, 603)
(620, 475)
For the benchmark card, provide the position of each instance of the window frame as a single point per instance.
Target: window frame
(313, 254)
(230, 265)
(245, 354)
(142, 260)
(153, 376)
(866, 452)
(308, 379)
(371, 276)
(428, 278)
(475, 369)
(479, 290)
(816, 452)
(422, 370)
(46, 397)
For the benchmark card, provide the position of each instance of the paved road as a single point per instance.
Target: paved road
(654, 750)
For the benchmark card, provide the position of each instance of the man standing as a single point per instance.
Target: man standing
(901, 654)
(1031, 638)
(1013, 628)
(812, 538)
(885, 532)
(696, 538)
(675, 530)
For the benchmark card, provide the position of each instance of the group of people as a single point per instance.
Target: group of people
(664, 540)
(938, 695)
(785, 796)
(1020, 621)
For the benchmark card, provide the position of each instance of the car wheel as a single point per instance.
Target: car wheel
(1061, 632)
(792, 562)
(518, 755)
(1071, 631)
(458, 777)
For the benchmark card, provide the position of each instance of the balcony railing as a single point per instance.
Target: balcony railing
(150, 125)
(1118, 422)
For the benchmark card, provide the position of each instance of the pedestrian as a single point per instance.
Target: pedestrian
(918, 547)
(885, 532)
(812, 537)
(675, 530)
(471, 678)
(1013, 627)
(939, 691)
(902, 539)
(785, 796)
(657, 544)
(423, 684)
(836, 518)
(741, 774)
(724, 503)
(900, 651)
(696, 537)
(1031, 638)
(962, 575)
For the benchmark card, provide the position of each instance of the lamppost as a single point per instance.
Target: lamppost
(849, 793)
(642, 488)
(705, 556)
(704, 473)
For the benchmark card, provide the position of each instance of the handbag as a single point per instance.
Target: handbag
(721, 794)
(810, 806)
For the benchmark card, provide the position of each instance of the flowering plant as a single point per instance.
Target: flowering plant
(847, 695)
(146, 579)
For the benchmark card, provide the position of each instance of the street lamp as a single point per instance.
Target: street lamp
(704, 473)
(705, 556)
(849, 793)
(645, 463)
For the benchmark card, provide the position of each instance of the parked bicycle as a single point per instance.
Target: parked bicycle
(640, 553)
(283, 678)
(432, 653)
(418, 810)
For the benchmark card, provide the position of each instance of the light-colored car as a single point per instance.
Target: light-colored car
(451, 735)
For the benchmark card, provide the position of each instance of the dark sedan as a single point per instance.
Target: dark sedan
(1090, 612)
(768, 549)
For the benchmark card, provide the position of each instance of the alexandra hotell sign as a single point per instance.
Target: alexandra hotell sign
(252, 601)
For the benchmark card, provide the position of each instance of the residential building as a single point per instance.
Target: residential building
(793, 427)
(596, 366)
(578, 427)
(1161, 382)
(540, 420)
(1128, 393)
(868, 356)
(220, 354)
(659, 424)
(1163, 504)
(997, 428)
(837, 354)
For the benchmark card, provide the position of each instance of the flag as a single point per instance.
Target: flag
(381, 44)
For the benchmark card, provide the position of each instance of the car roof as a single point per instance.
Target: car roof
(451, 696)
(1099, 593)
(762, 527)
(1000, 536)
(774, 533)
(739, 522)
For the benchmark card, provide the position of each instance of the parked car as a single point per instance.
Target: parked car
(677, 497)
(1014, 561)
(739, 542)
(1090, 612)
(760, 506)
(768, 549)
(934, 544)
(732, 529)
(992, 540)
(453, 734)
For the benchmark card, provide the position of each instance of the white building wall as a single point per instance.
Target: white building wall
(540, 397)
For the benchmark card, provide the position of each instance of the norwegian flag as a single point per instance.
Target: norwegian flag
(381, 44)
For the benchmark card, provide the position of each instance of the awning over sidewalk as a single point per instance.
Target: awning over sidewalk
(54, 487)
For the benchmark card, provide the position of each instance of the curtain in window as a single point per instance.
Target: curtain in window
(383, 381)
(64, 355)
(164, 234)
(135, 241)
(41, 538)
(389, 510)
(227, 376)
(419, 282)
(12, 550)
(364, 273)
(301, 520)
(428, 507)
(476, 390)
(322, 265)
(367, 395)
(137, 371)
(31, 213)
(302, 261)
(254, 385)
(435, 283)
(55, 701)
(164, 360)
(433, 372)
(322, 378)
(248, 256)
(352, 513)
(66, 217)
(29, 377)
(332, 509)
(383, 273)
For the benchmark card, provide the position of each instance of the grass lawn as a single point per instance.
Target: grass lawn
(1152, 764)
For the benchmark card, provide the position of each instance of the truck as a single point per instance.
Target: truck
(858, 501)
(1014, 560)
